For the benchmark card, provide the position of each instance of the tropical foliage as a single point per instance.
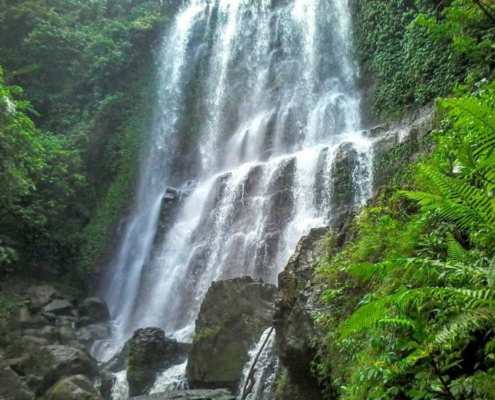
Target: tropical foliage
(425, 277)
(69, 139)
(38, 182)
(413, 51)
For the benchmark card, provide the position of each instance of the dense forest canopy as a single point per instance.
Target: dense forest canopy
(76, 78)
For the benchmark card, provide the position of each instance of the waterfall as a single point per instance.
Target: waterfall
(257, 104)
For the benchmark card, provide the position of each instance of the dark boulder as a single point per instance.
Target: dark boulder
(107, 380)
(232, 318)
(150, 352)
(94, 310)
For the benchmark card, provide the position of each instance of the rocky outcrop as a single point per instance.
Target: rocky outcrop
(49, 317)
(150, 352)
(395, 144)
(44, 350)
(232, 318)
(54, 362)
(218, 394)
(87, 335)
(293, 321)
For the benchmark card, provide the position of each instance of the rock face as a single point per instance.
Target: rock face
(219, 394)
(232, 318)
(396, 144)
(342, 185)
(76, 387)
(11, 386)
(293, 321)
(150, 352)
(55, 362)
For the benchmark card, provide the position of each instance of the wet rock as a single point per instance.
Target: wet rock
(168, 209)
(150, 352)
(232, 318)
(279, 211)
(89, 334)
(297, 298)
(219, 394)
(397, 143)
(321, 198)
(189, 188)
(11, 386)
(94, 310)
(107, 381)
(59, 307)
(76, 387)
(342, 185)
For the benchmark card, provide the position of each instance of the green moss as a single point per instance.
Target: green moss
(7, 307)
(206, 332)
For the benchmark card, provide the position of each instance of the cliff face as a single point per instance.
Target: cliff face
(297, 301)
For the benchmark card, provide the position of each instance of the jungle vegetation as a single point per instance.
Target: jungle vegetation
(76, 83)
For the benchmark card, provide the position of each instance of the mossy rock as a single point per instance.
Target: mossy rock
(232, 318)
(76, 387)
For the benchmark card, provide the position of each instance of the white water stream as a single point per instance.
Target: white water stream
(274, 107)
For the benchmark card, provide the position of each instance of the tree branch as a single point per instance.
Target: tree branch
(448, 393)
(250, 381)
(486, 10)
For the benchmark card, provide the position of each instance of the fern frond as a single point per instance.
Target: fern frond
(473, 111)
(457, 253)
(463, 325)
(369, 315)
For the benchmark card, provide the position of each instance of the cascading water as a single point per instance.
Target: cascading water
(267, 91)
